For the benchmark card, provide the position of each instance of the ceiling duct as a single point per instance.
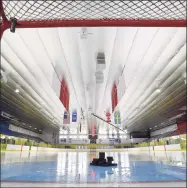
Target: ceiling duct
(101, 65)
(99, 77)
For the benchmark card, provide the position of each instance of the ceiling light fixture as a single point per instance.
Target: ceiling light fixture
(158, 90)
(150, 128)
(17, 90)
(30, 126)
(35, 128)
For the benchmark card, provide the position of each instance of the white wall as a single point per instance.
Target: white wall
(173, 147)
(34, 148)
(159, 148)
(48, 149)
(167, 147)
(13, 147)
(25, 148)
(139, 149)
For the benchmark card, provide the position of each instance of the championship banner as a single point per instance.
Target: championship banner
(66, 118)
(117, 118)
(117, 140)
(63, 140)
(74, 116)
(108, 117)
(111, 141)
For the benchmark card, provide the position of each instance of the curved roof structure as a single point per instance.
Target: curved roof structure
(147, 64)
(146, 58)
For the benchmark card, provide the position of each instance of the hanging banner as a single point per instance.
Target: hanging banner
(108, 116)
(63, 140)
(64, 94)
(117, 140)
(66, 118)
(114, 96)
(111, 141)
(117, 118)
(74, 116)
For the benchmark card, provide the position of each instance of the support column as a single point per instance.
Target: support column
(68, 132)
(118, 135)
(78, 129)
(108, 133)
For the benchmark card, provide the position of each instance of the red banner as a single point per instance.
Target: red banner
(64, 94)
(108, 117)
(114, 97)
(93, 129)
(181, 129)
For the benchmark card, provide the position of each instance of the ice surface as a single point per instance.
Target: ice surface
(73, 167)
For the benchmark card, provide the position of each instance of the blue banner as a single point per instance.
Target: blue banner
(117, 118)
(66, 118)
(111, 141)
(118, 140)
(74, 116)
(65, 115)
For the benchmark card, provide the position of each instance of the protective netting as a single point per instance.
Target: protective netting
(33, 10)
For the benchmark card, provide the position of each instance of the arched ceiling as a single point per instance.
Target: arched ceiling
(35, 60)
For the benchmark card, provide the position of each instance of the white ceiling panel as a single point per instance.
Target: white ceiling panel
(147, 58)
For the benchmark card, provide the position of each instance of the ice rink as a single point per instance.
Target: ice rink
(53, 169)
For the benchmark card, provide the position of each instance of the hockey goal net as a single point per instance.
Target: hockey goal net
(72, 13)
